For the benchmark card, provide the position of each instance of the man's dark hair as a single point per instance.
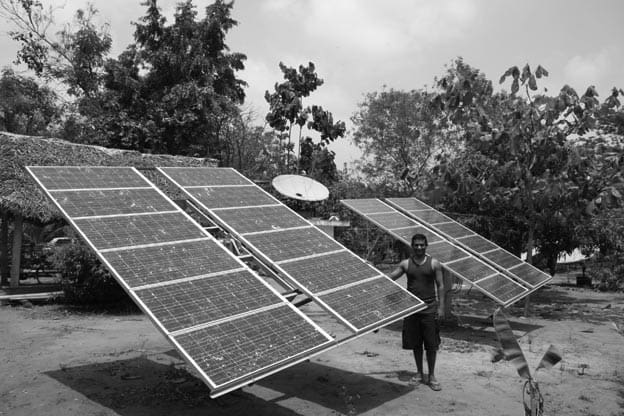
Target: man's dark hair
(420, 237)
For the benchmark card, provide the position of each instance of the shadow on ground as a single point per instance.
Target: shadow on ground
(141, 385)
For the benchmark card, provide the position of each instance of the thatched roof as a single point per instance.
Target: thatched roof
(19, 194)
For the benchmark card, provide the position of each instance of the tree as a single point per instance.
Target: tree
(521, 159)
(287, 111)
(175, 90)
(397, 133)
(74, 56)
(318, 161)
(245, 147)
(172, 91)
(25, 107)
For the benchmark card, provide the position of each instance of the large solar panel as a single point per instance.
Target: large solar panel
(501, 259)
(227, 322)
(357, 294)
(460, 262)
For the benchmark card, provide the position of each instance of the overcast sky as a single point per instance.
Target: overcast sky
(360, 46)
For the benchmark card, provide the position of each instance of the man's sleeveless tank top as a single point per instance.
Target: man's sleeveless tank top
(421, 279)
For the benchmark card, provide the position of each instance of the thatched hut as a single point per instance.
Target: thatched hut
(22, 200)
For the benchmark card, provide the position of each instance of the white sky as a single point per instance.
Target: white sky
(360, 46)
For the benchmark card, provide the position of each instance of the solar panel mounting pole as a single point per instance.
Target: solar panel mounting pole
(17, 250)
(4, 248)
(527, 305)
(267, 269)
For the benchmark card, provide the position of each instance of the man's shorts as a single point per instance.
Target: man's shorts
(419, 329)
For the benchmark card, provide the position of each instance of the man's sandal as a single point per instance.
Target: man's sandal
(418, 378)
(435, 385)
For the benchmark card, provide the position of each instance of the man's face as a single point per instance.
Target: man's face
(419, 247)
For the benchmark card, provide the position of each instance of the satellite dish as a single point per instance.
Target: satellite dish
(300, 187)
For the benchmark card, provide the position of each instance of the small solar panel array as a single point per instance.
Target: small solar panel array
(356, 293)
(224, 319)
(525, 273)
(452, 257)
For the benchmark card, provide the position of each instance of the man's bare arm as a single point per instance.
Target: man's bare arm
(440, 283)
(398, 272)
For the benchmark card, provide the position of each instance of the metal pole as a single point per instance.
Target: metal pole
(17, 250)
(4, 249)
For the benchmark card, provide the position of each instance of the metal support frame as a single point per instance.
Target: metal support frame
(242, 253)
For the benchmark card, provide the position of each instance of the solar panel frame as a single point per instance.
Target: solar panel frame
(476, 244)
(452, 264)
(248, 241)
(216, 389)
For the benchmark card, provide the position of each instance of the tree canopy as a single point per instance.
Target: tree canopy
(286, 112)
(75, 55)
(174, 90)
(25, 106)
(518, 166)
(520, 157)
(397, 133)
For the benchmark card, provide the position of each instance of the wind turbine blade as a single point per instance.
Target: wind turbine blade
(551, 357)
(509, 344)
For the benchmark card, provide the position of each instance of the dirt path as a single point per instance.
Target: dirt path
(57, 362)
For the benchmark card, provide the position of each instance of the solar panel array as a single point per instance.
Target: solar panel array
(460, 262)
(528, 275)
(356, 293)
(225, 320)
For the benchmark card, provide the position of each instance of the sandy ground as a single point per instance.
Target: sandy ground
(58, 361)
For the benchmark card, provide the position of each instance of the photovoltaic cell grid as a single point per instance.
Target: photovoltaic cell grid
(110, 202)
(186, 281)
(237, 347)
(334, 270)
(162, 263)
(264, 218)
(135, 230)
(316, 263)
(231, 196)
(293, 244)
(460, 262)
(87, 177)
(525, 273)
(190, 303)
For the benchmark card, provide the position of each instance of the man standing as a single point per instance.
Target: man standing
(424, 275)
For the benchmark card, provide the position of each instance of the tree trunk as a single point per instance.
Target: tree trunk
(4, 249)
(17, 250)
(530, 243)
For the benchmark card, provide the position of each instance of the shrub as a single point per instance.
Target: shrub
(85, 281)
(607, 276)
